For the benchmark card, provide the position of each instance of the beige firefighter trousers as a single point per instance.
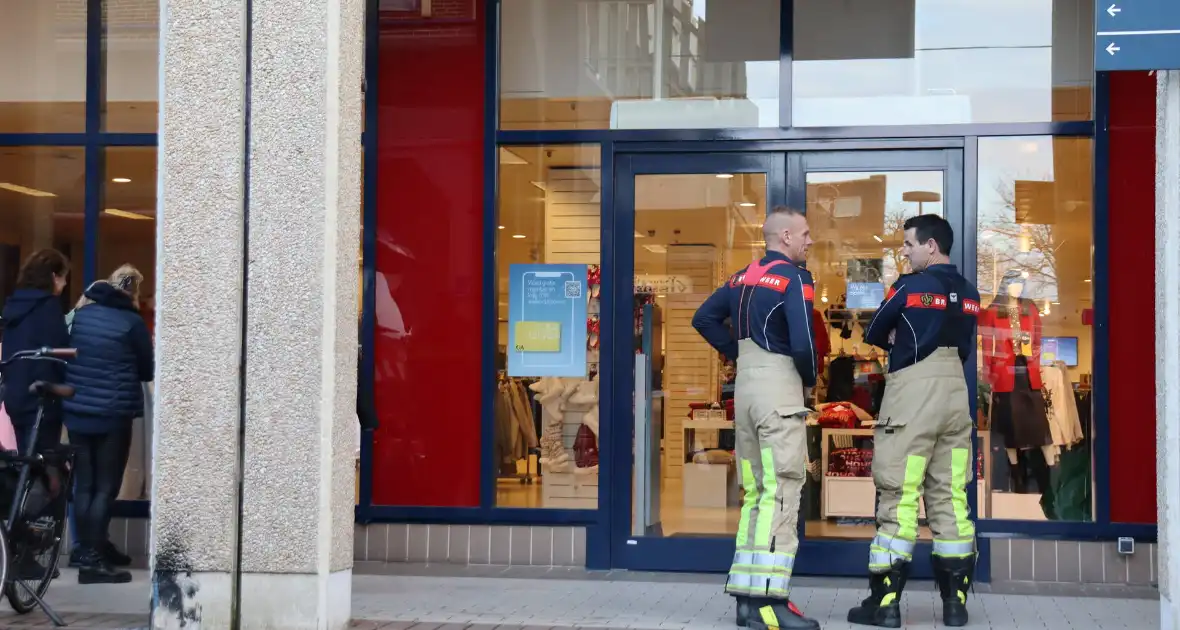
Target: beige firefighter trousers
(922, 452)
(771, 445)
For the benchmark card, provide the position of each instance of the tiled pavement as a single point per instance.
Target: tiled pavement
(430, 598)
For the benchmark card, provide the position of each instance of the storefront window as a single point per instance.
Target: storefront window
(548, 252)
(665, 64)
(899, 62)
(41, 195)
(43, 77)
(131, 45)
(127, 236)
(1035, 362)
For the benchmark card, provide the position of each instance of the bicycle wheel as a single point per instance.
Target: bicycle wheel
(36, 551)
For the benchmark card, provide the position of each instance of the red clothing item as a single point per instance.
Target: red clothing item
(999, 357)
(823, 344)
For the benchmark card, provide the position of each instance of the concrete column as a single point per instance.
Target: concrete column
(1167, 351)
(294, 178)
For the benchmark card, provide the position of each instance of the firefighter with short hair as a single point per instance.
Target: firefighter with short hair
(768, 305)
(922, 439)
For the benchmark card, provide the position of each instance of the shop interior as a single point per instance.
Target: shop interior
(692, 231)
(42, 192)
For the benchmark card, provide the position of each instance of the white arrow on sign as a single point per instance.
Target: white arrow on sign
(1112, 49)
(1113, 10)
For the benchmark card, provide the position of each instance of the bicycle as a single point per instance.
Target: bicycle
(41, 484)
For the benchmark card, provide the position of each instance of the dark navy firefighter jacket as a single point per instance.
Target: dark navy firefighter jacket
(936, 308)
(768, 302)
(115, 357)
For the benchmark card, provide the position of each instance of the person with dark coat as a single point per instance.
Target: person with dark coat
(115, 358)
(33, 319)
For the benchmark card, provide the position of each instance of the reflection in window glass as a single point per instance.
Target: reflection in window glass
(43, 77)
(41, 201)
(127, 235)
(639, 65)
(546, 447)
(1034, 278)
(896, 62)
(131, 43)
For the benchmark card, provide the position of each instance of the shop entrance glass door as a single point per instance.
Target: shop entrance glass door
(692, 220)
(856, 205)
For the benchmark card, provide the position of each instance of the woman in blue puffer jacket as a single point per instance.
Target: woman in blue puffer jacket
(115, 358)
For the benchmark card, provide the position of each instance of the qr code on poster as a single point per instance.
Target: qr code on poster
(573, 289)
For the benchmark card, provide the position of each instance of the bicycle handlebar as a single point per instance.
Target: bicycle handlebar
(54, 354)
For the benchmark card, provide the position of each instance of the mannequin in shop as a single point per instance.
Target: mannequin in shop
(552, 394)
(1011, 331)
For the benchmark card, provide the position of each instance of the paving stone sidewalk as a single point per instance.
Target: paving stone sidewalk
(568, 600)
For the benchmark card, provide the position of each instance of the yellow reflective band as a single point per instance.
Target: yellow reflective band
(889, 598)
(962, 597)
(960, 460)
(748, 503)
(768, 616)
(766, 502)
(907, 508)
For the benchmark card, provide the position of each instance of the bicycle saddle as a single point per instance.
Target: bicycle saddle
(51, 390)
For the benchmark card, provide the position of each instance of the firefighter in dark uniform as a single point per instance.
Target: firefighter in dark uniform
(922, 440)
(768, 305)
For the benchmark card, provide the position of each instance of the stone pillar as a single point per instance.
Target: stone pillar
(260, 127)
(1167, 350)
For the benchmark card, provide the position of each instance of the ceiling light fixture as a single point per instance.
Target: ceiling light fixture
(878, 238)
(725, 176)
(518, 236)
(500, 228)
(747, 204)
(32, 192)
(1087, 279)
(123, 214)
(121, 180)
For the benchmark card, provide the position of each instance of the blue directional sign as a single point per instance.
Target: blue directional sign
(1137, 35)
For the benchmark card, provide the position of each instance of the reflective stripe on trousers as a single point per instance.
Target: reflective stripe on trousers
(772, 459)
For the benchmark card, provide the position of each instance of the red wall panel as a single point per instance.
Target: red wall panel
(429, 263)
(1131, 282)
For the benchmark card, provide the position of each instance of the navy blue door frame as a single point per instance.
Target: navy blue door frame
(786, 185)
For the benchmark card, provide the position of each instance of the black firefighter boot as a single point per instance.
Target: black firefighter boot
(882, 608)
(954, 577)
(742, 617)
(764, 613)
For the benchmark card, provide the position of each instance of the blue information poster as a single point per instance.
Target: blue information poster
(547, 320)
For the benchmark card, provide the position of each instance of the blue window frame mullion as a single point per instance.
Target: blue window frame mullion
(369, 243)
(1100, 397)
(95, 66)
(487, 487)
(786, 54)
(95, 71)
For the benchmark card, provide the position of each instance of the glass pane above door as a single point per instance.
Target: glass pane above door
(856, 219)
(691, 232)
